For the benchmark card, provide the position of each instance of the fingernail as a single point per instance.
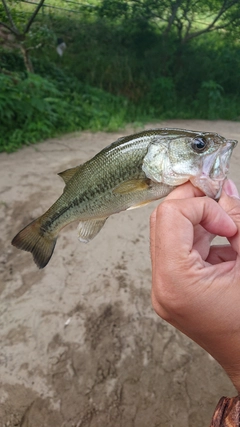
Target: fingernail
(230, 188)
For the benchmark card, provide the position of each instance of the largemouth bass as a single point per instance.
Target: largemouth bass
(131, 172)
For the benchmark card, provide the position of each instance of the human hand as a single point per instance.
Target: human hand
(196, 287)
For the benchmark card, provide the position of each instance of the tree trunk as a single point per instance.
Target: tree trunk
(26, 59)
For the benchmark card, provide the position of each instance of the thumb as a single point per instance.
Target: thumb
(230, 202)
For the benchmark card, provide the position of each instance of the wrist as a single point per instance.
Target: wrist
(225, 349)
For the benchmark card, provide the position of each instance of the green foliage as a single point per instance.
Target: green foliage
(11, 60)
(113, 9)
(186, 19)
(162, 96)
(124, 61)
(34, 108)
(128, 60)
(210, 99)
(40, 36)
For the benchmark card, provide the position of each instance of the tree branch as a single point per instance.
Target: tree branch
(171, 19)
(210, 27)
(179, 26)
(13, 27)
(12, 30)
(27, 28)
(189, 20)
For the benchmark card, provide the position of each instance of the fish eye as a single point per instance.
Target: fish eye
(199, 145)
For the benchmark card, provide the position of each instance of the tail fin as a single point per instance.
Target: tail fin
(34, 240)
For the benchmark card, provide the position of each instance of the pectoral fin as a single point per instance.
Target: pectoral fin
(87, 230)
(132, 185)
(68, 173)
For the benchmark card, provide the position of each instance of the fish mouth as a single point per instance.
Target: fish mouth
(214, 171)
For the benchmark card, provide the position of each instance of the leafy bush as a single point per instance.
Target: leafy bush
(34, 108)
(209, 100)
(12, 61)
(118, 67)
(162, 96)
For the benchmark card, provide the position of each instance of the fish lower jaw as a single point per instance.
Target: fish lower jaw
(211, 188)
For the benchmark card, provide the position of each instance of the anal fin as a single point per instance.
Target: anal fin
(87, 230)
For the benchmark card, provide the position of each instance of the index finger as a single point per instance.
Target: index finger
(185, 191)
(172, 231)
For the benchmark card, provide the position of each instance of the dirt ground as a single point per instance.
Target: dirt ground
(80, 343)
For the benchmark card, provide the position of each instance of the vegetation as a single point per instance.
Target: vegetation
(124, 61)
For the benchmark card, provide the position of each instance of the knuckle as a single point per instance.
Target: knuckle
(165, 209)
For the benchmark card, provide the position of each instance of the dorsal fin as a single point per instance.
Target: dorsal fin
(68, 173)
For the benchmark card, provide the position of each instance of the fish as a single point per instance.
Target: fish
(131, 172)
